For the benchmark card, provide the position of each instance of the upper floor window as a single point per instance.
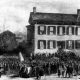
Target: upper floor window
(70, 44)
(41, 30)
(60, 30)
(51, 44)
(70, 30)
(77, 30)
(41, 44)
(51, 30)
(77, 44)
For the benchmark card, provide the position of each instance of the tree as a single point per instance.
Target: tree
(8, 41)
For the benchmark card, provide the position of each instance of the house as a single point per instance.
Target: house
(48, 32)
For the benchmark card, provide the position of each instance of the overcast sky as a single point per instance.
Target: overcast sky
(14, 14)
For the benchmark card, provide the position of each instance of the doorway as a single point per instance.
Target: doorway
(61, 44)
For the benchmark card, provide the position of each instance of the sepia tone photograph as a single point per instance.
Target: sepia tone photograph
(39, 39)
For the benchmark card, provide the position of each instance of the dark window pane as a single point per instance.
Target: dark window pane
(77, 44)
(60, 30)
(41, 30)
(48, 44)
(76, 30)
(51, 44)
(51, 30)
(54, 44)
(72, 30)
(61, 44)
(70, 44)
(41, 44)
(38, 29)
(67, 31)
(64, 30)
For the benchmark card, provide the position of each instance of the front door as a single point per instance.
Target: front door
(61, 44)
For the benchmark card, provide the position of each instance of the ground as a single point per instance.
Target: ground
(51, 77)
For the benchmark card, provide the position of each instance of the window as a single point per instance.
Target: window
(41, 44)
(51, 30)
(41, 30)
(51, 44)
(70, 30)
(77, 44)
(61, 44)
(70, 44)
(61, 30)
(77, 31)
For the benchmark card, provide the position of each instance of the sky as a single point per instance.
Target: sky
(14, 14)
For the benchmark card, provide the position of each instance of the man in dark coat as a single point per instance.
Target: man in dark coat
(37, 72)
(69, 70)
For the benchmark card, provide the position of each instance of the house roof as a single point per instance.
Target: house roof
(53, 18)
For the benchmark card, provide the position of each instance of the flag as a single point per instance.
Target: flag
(21, 57)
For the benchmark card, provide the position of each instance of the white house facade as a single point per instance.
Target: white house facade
(52, 31)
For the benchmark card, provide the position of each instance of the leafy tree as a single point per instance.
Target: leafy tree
(8, 41)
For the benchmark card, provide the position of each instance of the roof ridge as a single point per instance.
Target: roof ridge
(53, 13)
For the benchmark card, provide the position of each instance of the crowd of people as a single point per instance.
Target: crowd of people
(62, 64)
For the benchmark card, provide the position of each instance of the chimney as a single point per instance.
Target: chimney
(34, 9)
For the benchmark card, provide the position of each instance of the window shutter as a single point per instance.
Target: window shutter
(58, 30)
(66, 44)
(72, 30)
(38, 44)
(67, 31)
(79, 44)
(54, 44)
(63, 30)
(75, 44)
(48, 45)
(54, 30)
(44, 29)
(72, 44)
(44, 44)
(76, 30)
(38, 29)
(48, 30)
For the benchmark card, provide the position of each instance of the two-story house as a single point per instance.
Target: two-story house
(49, 31)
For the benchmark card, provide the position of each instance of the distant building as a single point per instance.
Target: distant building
(49, 31)
(20, 37)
